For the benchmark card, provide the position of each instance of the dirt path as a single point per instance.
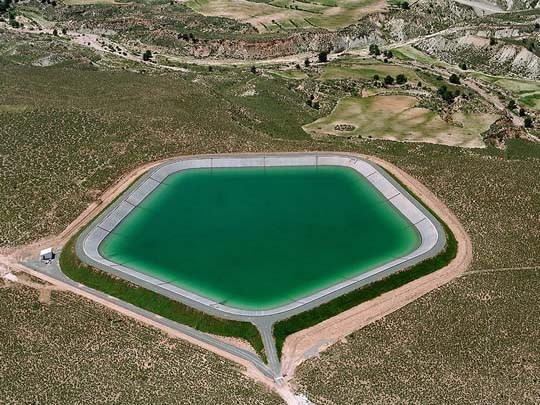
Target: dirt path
(310, 342)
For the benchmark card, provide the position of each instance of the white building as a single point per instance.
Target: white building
(46, 254)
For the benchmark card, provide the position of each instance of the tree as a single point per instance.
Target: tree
(147, 55)
(376, 77)
(454, 79)
(401, 79)
(254, 70)
(307, 62)
(55, 32)
(404, 5)
(528, 122)
(64, 31)
(463, 66)
(323, 56)
(374, 50)
(388, 80)
(512, 105)
(492, 41)
(522, 112)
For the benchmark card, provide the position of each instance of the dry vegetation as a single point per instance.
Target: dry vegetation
(71, 350)
(472, 341)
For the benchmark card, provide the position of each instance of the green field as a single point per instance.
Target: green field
(259, 238)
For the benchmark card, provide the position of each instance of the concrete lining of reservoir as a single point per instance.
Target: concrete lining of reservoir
(430, 230)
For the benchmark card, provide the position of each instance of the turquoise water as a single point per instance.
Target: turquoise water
(258, 238)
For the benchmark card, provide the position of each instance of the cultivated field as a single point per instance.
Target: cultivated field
(399, 118)
(65, 349)
(471, 341)
(273, 15)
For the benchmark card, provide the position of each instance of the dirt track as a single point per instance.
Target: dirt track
(312, 341)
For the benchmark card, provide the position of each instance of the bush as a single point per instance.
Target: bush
(307, 62)
(376, 77)
(323, 57)
(528, 123)
(388, 80)
(512, 105)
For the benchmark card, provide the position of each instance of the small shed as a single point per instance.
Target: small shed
(46, 254)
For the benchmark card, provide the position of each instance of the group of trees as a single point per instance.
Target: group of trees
(528, 121)
(322, 57)
(188, 37)
(447, 94)
(389, 80)
(375, 51)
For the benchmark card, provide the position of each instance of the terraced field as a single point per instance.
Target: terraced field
(273, 15)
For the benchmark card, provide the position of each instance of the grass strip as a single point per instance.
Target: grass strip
(307, 319)
(156, 303)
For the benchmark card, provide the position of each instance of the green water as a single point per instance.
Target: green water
(256, 238)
